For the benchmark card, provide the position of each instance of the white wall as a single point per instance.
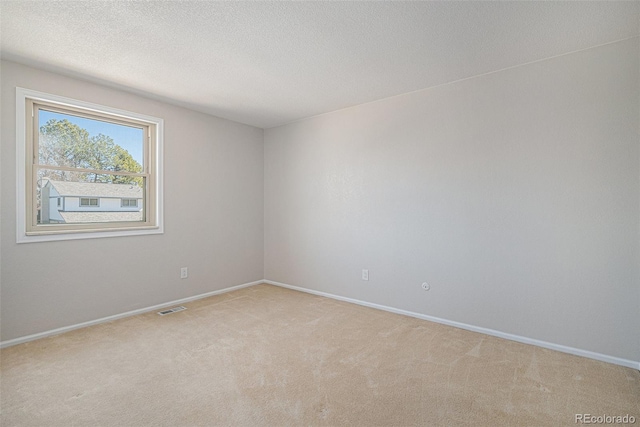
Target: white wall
(213, 220)
(514, 194)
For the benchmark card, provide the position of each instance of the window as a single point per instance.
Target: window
(98, 158)
(87, 201)
(59, 201)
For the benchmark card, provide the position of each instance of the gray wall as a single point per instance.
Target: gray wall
(514, 194)
(213, 220)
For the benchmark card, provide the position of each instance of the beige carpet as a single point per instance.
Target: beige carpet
(270, 356)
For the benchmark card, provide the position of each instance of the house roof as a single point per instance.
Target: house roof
(82, 217)
(96, 189)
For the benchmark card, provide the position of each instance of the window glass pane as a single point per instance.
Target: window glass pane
(79, 142)
(86, 200)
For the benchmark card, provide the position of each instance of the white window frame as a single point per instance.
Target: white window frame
(128, 204)
(25, 234)
(89, 205)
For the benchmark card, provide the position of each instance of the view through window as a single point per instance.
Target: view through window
(95, 166)
(87, 170)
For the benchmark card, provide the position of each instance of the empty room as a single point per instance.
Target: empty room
(319, 213)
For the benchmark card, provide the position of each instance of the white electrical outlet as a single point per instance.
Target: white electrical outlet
(184, 272)
(365, 274)
(426, 286)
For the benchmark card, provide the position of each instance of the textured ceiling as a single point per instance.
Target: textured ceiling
(270, 63)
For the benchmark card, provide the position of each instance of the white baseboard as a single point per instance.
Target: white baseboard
(64, 329)
(562, 348)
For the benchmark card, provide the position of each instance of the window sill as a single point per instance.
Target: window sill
(50, 236)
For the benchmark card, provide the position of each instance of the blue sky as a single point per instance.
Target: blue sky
(127, 137)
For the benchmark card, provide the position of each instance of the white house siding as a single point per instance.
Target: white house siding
(54, 215)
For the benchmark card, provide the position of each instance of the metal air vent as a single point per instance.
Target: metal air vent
(171, 310)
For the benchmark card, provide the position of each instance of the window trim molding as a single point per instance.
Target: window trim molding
(22, 236)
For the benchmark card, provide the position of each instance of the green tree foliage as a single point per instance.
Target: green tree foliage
(123, 161)
(63, 143)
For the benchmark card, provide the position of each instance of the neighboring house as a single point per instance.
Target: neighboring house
(73, 202)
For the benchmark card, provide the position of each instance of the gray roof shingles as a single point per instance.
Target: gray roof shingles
(81, 217)
(97, 189)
